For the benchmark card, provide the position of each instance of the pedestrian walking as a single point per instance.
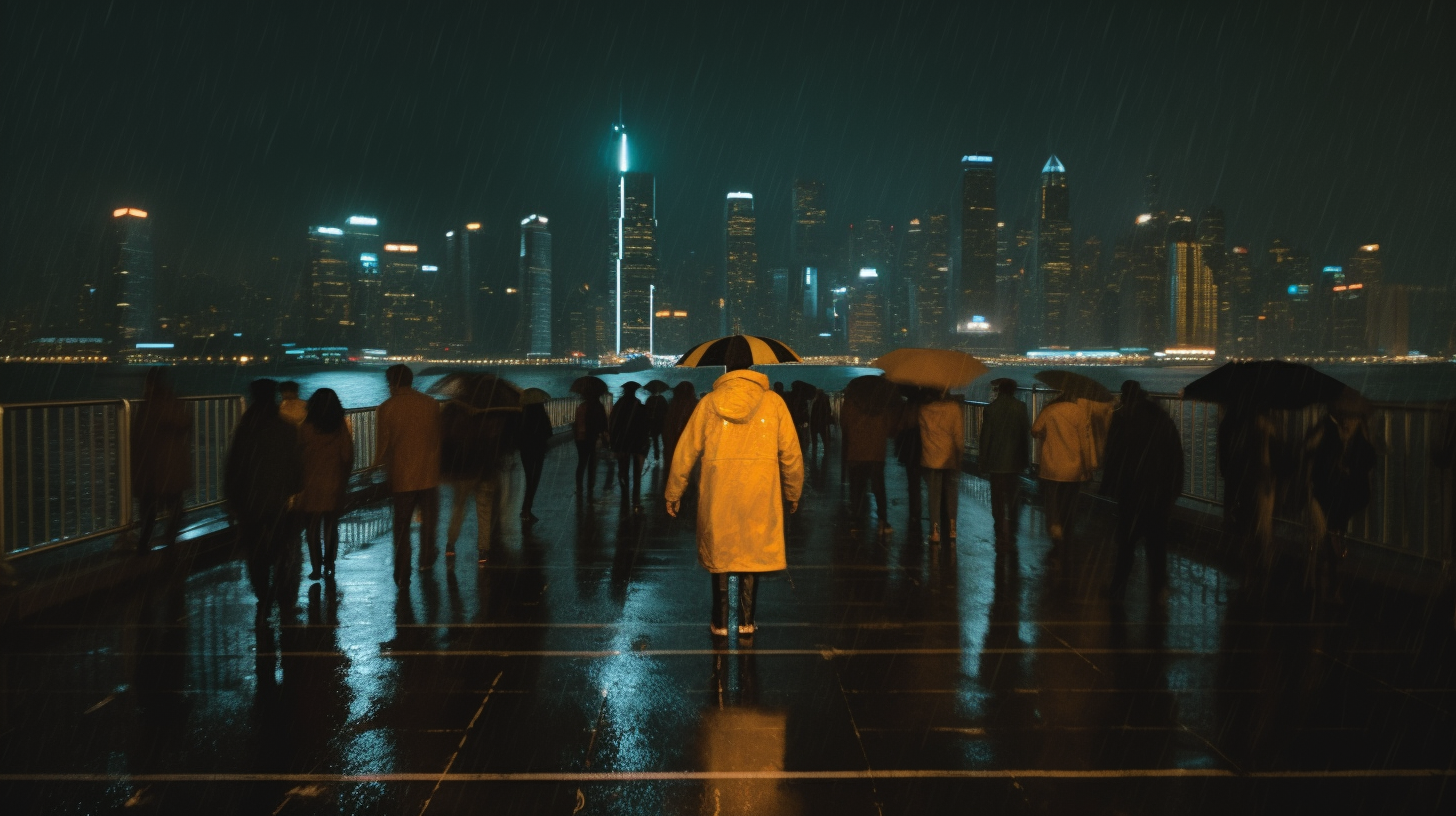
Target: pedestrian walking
(263, 471)
(1339, 458)
(533, 436)
(656, 409)
(752, 464)
(942, 439)
(587, 427)
(327, 448)
(1247, 450)
(628, 434)
(1005, 445)
(1067, 462)
(867, 425)
(407, 447)
(821, 417)
(907, 449)
(478, 430)
(679, 411)
(291, 408)
(1143, 473)
(161, 458)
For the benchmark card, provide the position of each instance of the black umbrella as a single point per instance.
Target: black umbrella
(1265, 384)
(656, 387)
(1074, 385)
(589, 387)
(872, 394)
(479, 390)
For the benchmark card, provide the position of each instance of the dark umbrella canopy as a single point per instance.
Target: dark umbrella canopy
(656, 387)
(480, 391)
(1074, 385)
(872, 394)
(1265, 384)
(589, 386)
(765, 351)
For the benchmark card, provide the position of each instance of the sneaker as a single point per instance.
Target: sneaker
(718, 631)
(747, 631)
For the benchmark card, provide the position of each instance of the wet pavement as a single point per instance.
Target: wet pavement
(572, 672)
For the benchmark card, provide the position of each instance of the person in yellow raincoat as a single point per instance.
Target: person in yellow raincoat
(746, 439)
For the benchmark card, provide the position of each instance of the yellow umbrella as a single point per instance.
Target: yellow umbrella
(765, 350)
(941, 369)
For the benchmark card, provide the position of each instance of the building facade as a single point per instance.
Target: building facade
(534, 285)
(740, 264)
(1193, 301)
(977, 271)
(132, 274)
(1052, 273)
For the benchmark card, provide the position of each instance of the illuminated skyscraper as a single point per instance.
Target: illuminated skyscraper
(932, 289)
(133, 278)
(1052, 273)
(1238, 308)
(740, 265)
(362, 251)
(977, 270)
(638, 259)
(1092, 297)
(809, 249)
(534, 283)
(401, 329)
(866, 326)
(1386, 324)
(1193, 302)
(459, 282)
(329, 289)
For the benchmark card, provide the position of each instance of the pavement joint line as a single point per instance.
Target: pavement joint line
(464, 735)
(688, 776)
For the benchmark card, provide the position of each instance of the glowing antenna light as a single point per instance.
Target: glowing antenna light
(622, 155)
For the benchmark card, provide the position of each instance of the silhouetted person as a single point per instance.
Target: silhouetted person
(587, 428)
(866, 434)
(1338, 458)
(1247, 440)
(1143, 472)
(628, 433)
(1005, 445)
(532, 438)
(656, 410)
(679, 411)
(328, 458)
(264, 470)
(290, 407)
(477, 445)
(751, 465)
(821, 417)
(907, 448)
(161, 457)
(1067, 461)
(407, 446)
(942, 441)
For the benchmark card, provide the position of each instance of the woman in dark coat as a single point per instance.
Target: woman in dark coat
(821, 416)
(679, 411)
(263, 471)
(531, 439)
(587, 427)
(629, 438)
(161, 457)
(1339, 458)
(1143, 471)
(656, 407)
(328, 457)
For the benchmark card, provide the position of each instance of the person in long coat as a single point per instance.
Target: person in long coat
(328, 458)
(1005, 445)
(161, 458)
(263, 471)
(656, 409)
(821, 417)
(942, 440)
(679, 411)
(1339, 458)
(532, 437)
(628, 433)
(866, 432)
(751, 465)
(1068, 458)
(476, 444)
(1143, 472)
(407, 446)
(1248, 446)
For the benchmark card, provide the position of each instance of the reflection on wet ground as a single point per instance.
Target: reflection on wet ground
(572, 671)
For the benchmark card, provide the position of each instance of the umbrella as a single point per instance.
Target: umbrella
(941, 369)
(657, 387)
(532, 396)
(1074, 385)
(765, 350)
(589, 387)
(479, 391)
(630, 387)
(1265, 384)
(872, 394)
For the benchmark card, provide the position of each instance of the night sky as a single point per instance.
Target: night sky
(238, 125)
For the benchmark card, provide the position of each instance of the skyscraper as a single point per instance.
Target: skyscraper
(977, 278)
(133, 278)
(866, 327)
(1238, 308)
(534, 283)
(459, 284)
(1193, 303)
(932, 288)
(1385, 306)
(809, 255)
(329, 289)
(400, 317)
(1092, 298)
(362, 251)
(1052, 272)
(741, 263)
(638, 263)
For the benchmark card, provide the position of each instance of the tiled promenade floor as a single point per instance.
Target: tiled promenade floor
(573, 673)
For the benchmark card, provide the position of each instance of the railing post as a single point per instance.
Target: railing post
(4, 522)
(123, 447)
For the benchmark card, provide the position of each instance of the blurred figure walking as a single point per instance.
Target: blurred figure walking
(821, 417)
(867, 425)
(1067, 461)
(533, 436)
(679, 411)
(1143, 473)
(656, 409)
(328, 457)
(587, 428)
(407, 447)
(1247, 450)
(1005, 445)
(264, 470)
(161, 458)
(628, 433)
(479, 429)
(942, 439)
(751, 466)
(1338, 460)
(291, 408)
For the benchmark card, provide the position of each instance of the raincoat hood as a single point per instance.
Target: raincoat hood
(736, 395)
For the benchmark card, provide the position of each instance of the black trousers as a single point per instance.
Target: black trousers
(152, 503)
(1005, 492)
(1150, 525)
(586, 463)
(428, 502)
(871, 474)
(635, 461)
(747, 597)
(533, 463)
(273, 569)
(322, 532)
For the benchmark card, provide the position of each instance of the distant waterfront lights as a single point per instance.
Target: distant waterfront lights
(401, 248)
(429, 268)
(1365, 248)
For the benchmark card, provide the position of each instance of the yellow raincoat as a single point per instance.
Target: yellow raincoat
(746, 440)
